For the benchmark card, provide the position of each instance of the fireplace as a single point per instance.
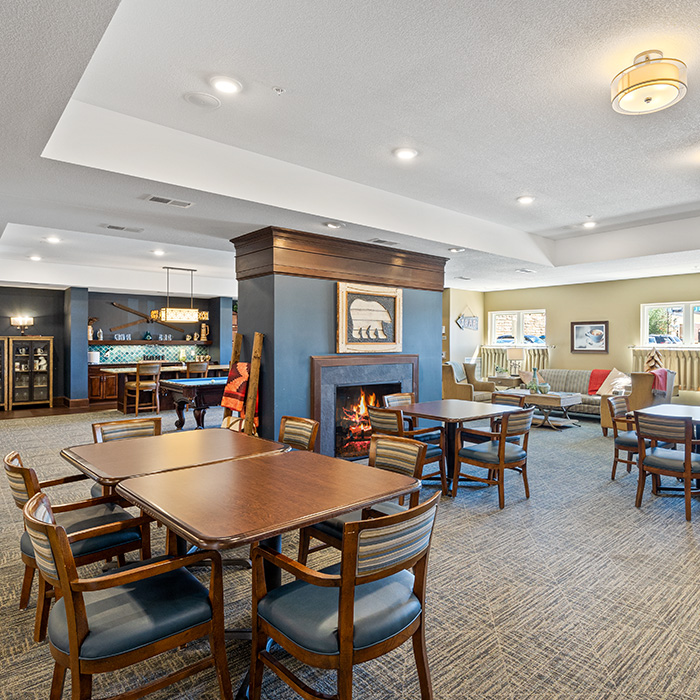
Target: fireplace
(332, 374)
(352, 428)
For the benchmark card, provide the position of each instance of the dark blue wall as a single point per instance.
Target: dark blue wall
(221, 338)
(298, 316)
(75, 343)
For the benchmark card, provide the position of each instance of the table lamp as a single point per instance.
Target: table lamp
(515, 357)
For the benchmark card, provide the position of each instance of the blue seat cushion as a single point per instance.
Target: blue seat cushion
(433, 436)
(672, 460)
(128, 617)
(628, 438)
(334, 526)
(84, 518)
(488, 452)
(432, 452)
(308, 615)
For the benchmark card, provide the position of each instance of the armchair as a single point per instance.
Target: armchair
(460, 382)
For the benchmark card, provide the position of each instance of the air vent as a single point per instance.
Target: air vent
(525, 271)
(114, 227)
(172, 202)
(462, 277)
(381, 241)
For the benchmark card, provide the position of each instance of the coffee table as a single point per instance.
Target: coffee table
(511, 381)
(546, 403)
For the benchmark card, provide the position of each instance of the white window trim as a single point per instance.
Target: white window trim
(688, 325)
(519, 327)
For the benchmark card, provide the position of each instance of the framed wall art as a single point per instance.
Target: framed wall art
(589, 336)
(369, 318)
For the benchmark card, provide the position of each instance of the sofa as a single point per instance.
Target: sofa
(459, 382)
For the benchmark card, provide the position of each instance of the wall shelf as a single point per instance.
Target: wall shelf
(148, 342)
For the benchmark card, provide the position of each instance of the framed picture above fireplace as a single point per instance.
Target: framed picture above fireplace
(370, 318)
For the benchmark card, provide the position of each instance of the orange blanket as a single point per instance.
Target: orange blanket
(598, 376)
(236, 389)
(660, 378)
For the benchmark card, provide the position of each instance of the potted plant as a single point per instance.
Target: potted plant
(501, 371)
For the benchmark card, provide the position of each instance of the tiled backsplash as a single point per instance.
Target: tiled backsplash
(134, 353)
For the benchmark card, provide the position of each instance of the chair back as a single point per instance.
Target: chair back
(40, 524)
(385, 420)
(147, 371)
(124, 429)
(197, 369)
(401, 399)
(619, 406)
(299, 433)
(663, 428)
(397, 454)
(506, 399)
(518, 422)
(24, 482)
(379, 547)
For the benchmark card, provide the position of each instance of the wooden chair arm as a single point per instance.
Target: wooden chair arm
(120, 578)
(298, 570)
(88, 502)
(624, 420)
(476, 431)
(421, 431)
(63, 480)
(109, 528)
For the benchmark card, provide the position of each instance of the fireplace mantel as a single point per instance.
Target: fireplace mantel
(331, 371)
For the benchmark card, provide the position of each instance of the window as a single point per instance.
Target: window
(517, 327)
(673, 323)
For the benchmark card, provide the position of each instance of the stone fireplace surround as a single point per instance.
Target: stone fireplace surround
(331, 371)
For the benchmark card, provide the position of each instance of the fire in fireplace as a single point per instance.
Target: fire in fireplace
(352, 429)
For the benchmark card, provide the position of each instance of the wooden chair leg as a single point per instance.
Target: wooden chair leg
(525, 483)
(146, 541)
(26, 586)
(157, 393)
(501, 490)
(345, 680)
(687, 485)
(630, 457)
(443, 473)
(640, 487)
(304, 542)
(256, 665)
(616, 458)
(455, 478)
(218, 651)
(136, 402)
(121, 560)
(57, 682)
(43, 605)
(81, 686)
(421, 657)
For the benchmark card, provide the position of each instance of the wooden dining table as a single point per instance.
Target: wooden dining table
(108, 463)
(451, 412)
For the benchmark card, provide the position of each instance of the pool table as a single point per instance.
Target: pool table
(200, 393)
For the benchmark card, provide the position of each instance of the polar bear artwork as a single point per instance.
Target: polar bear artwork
(368, 319)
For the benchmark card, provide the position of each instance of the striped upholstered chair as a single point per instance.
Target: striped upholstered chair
(370, 603)
(683, 464)
(624, 436)
(299, 433)
(390, 421)
(497, 454)
(105, 623)
(395, 454)
(124, 534)
(123, 430)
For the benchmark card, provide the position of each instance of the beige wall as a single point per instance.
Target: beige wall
(617, 302)
(459, 344)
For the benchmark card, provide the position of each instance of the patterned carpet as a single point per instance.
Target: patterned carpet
(573, 594)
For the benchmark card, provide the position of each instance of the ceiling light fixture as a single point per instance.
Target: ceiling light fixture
(35, 258)
(457, 250)
(404, 153)
(158, 251)
(228, 86)
(174, 314)
(525, 199)
(650, 84)
(333, 224)
(590, 224)
(53, 239)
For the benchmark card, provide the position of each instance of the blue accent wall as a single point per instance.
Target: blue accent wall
(298, 316)
(221, 309)
(75, 342)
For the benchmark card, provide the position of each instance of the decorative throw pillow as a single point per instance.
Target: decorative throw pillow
(615, 381)
(526, 377)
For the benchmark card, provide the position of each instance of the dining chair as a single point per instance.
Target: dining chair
(683, 464)
(396, 454)
(399, 399)
(624, 436)
(197, 369)
(123, 430)
(131, 614)
(299, 433)
(390, 421)
(147, 380)
(497, 454)
(362, 608)
(106, 530)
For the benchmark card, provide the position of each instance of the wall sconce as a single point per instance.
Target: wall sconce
(515, 357)
(21, 322)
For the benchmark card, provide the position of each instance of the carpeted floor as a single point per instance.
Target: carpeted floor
(574, 594)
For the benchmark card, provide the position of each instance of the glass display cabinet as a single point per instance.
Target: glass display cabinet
(30, 371)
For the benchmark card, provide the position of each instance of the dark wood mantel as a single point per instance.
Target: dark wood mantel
(274, 250)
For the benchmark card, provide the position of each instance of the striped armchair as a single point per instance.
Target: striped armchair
(299, 433)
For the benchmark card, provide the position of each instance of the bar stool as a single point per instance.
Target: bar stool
(147, 379)
(197, 369)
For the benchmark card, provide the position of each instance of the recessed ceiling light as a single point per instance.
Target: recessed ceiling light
(525, 199)
(35, 258)
(525, 271)
(590, 224)
(202, 99)
(53, 239)
(457, 250)
(333, 224)
(405, 153)
(158, 251)
(222, 83)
